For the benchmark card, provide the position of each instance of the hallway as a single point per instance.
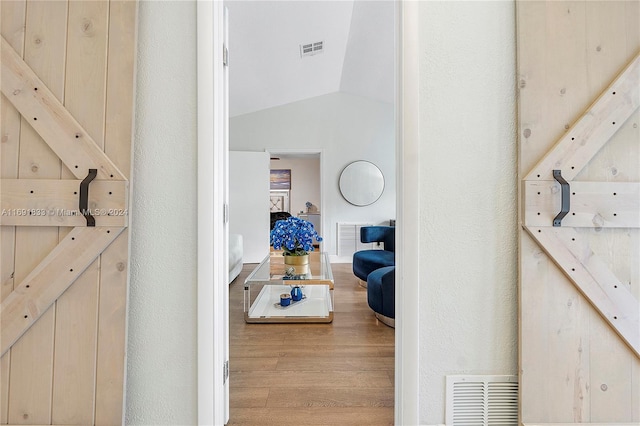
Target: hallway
(312, 374)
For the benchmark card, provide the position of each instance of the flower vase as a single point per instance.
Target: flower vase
(299, 263)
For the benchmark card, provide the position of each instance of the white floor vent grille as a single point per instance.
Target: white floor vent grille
(482, 401)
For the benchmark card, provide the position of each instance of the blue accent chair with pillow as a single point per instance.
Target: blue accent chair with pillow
(367, 261)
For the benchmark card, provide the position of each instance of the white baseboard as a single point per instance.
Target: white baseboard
(334, 258)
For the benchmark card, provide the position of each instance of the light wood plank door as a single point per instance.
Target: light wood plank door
(579, 169)
(67, 80)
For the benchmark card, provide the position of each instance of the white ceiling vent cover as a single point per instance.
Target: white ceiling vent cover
(311, 49)
(482, 401)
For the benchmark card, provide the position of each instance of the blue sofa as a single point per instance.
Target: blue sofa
(377, 270)
(367, 261)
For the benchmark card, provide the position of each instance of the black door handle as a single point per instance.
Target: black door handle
(84, 197)
(565, 202)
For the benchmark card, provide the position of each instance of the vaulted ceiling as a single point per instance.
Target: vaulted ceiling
(266, 68)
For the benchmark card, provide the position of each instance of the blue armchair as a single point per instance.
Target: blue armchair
(381, 294)
(367, 261)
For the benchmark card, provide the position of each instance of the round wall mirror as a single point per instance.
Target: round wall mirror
(361, 183)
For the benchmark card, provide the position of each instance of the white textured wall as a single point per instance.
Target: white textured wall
(161, 366)
(347, 128)
(468, 243)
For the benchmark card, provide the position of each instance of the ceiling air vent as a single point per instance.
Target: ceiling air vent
(311, 49)
(482, 401)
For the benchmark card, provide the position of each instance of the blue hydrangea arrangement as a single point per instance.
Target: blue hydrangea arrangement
(294, 235)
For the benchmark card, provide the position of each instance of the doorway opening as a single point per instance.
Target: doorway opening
(339, 101)
(303, 196)
(212, 379)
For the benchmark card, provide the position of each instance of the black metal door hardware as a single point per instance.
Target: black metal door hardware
(84, 197)
(565, 205)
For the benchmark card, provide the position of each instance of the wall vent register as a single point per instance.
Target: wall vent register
(482, 400)
(311, 49)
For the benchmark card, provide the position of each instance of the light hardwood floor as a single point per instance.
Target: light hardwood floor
(312, 374)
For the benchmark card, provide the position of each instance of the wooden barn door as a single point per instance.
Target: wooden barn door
(579, 144)
(67, 74)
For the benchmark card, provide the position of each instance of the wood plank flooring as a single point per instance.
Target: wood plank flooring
(312, 374)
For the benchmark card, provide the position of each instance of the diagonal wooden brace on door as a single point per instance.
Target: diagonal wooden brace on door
(594, 129)
(608, 295)
(53, 122)
(44, 202)
(588, 205)
(66, 262)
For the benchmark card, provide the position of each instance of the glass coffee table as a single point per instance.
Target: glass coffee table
(263, 287)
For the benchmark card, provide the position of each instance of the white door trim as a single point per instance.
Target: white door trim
(407, 353)
(210, 209)
(212, 288)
